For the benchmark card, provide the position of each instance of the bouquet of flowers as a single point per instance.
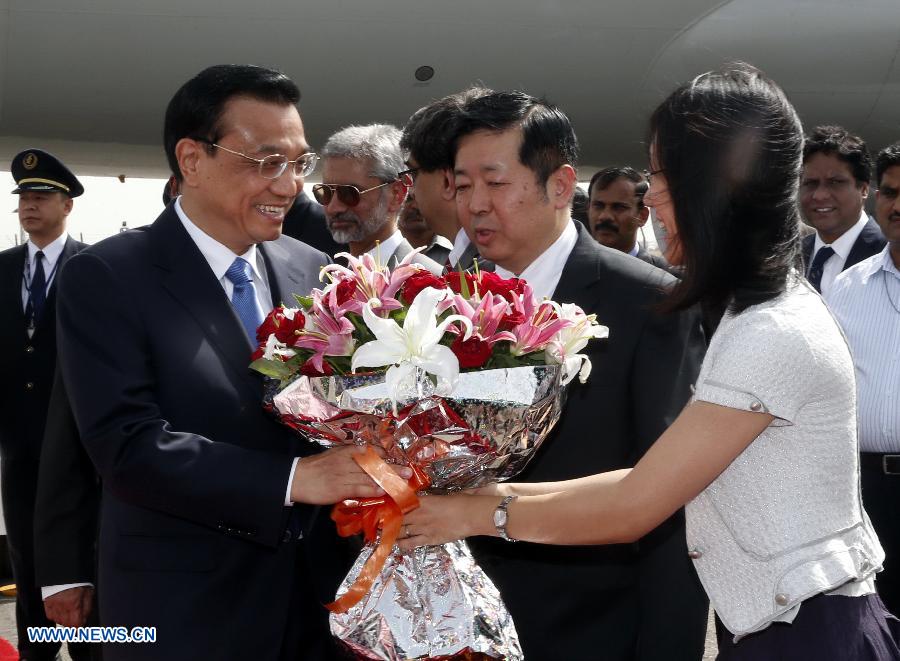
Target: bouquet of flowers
(465, 377)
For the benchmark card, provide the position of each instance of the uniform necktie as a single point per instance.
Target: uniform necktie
(38, 292)
(818, 265)
(243, 299)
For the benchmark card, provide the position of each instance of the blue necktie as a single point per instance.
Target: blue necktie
(38, 292)
(244, 297)
(818, 265)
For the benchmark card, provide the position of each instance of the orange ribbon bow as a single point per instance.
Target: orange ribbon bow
(367, 515)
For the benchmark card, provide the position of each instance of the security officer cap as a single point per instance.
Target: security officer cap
(37, 170)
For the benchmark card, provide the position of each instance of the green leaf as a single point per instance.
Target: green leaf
(304, 302)
(273, 368)
(463, 283)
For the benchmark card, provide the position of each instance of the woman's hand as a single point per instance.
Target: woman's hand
(441, 519)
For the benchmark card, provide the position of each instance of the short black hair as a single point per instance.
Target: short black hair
(605, 177)
(887, 158)
(196, 109)
(426, 136)
(838, 141)
(580, 203)
(548, 139)
(730, 146)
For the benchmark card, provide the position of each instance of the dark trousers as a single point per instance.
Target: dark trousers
(881, 498)
(19, 484)
(827, 628)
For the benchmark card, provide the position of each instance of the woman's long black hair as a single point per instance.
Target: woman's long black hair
(730, 146)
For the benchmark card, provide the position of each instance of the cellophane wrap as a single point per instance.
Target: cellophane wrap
(434, 602)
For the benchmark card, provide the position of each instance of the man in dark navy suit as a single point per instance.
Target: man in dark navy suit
(200, 535)
(837, 168)
(28, 286)
(514, 173)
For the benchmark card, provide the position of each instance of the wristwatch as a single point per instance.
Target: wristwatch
(501, 518)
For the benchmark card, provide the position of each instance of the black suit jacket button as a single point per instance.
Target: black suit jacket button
(29, 385)
(29, 349)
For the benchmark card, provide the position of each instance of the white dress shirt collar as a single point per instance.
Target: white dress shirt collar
(544, 272)
(460, 244)
(844, 243)
(52, 251)
(218, 256)
(635, 250)
(382, 251)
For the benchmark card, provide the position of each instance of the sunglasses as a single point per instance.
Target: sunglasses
(348, 195)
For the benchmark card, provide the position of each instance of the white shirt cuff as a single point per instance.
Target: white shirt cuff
(50, 590)
(287, 493)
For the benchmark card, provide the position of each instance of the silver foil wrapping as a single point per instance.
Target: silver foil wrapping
(434, 602)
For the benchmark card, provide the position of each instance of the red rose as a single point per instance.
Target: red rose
(512, 320)
(346, 289)
(309, 369)
(269, 325)
(419, 281)
(279, 325)
(454, 281)
(473, 352)
(493, 283)
(258, 353)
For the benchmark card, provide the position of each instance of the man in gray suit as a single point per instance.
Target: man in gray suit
(362, 193)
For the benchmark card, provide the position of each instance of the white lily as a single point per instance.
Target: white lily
(564, 348)
(416, 344)
(276, 348)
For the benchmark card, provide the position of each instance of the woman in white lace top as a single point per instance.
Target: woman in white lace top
(765, 457)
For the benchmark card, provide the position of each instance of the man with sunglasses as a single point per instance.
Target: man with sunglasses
(363, 192)
(199, 527)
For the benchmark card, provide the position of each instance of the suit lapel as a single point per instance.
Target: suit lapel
(11, 289)
(866, 244)
(402, 250)
(806, 251)
(71, 247)
(186, 275)
(580, 270)
(282, 279)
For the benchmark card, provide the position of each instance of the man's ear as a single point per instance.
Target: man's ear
(643, 215)
(188, 153)
(68, 204)
(398, 196)
(864, 190)
(448, 189)
(561, 186)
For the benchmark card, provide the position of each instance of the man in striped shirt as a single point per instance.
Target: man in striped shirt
(866, 301)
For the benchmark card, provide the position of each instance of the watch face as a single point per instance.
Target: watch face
(500, 518)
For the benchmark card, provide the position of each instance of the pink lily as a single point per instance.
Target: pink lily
(486, 316)
(326, 333)
(542, 323)
(373, 281)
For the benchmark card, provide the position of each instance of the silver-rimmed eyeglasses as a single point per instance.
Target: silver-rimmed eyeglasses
(274, 165)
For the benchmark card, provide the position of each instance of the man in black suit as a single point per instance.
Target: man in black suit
(616, 211)
(28, 286)
(200, 536)
(425, 140)
(514, 175)
(837, 168)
